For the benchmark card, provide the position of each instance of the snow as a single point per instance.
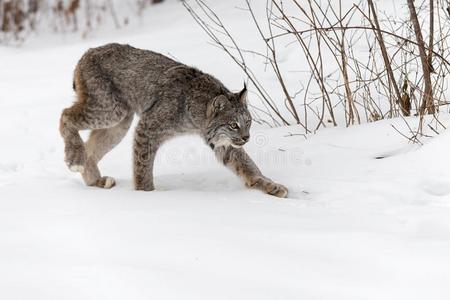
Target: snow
(353, 227)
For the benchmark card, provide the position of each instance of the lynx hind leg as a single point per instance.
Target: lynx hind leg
(100, 142)
(100, 108)
(82, 116)
(70, 123)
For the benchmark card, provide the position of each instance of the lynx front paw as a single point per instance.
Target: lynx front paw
(75, 159)
(145, 187)
(105, 182)
(140, 184)
(269, 187)
(276, 189)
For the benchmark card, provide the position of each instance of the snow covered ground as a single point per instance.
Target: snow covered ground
(353, 227)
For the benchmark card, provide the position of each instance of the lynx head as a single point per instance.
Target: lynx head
(229, 120)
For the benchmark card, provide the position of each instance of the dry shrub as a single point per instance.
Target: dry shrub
(401, 71)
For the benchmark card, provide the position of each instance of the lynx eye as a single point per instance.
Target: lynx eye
(234, 125)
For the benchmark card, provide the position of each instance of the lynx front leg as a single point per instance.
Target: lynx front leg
(147, 139)
(239, 161)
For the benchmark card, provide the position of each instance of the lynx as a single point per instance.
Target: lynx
(114, 82)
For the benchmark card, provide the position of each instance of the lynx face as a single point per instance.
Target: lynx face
(231, 121)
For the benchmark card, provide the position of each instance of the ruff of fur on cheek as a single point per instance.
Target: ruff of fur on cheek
(223, 142)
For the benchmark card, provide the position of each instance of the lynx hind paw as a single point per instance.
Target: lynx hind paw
(75, 159)
(106, 182)
(76, 168)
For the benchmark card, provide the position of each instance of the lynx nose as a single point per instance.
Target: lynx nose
(245, 138)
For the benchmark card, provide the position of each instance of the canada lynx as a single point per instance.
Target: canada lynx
(113, 82)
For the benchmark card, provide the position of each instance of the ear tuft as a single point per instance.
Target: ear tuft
(243, 94)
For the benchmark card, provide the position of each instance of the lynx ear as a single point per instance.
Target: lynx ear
(243, 95)
(217, 104)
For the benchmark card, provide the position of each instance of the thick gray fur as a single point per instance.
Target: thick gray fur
(114, 82)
